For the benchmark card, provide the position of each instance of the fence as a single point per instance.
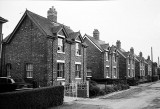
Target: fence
(76, 89)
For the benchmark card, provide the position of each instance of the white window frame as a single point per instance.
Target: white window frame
(79, 76)
(107, 56)
(108, 76)
(63, 45)
(78, 50)
(115, 76)
(63, 62)
(8, 69)
(29, 70)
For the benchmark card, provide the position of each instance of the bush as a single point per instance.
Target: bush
(155, 78)
(109, 89)
(32, 99)
(93, 89)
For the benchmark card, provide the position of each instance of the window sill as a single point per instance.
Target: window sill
(58, 79)
(60, 52)
(29, 77)
(88, 76)
(78, 55)
(108, 77)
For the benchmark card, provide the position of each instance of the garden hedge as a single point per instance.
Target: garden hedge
(39, 98)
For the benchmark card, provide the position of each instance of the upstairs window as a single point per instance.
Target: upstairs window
(107, 56)
(78, 70)
(114, 57)
(60, 70)
(29, 70)
(78, 49)
(129, 61)
(60, 45)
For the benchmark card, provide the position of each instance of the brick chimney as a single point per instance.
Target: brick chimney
(118, 44)
(140, 54)
(96, 34)
(148, 58)
(52, 14)
(132, 50)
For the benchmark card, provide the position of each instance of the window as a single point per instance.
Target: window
(78, 70)
(115, 73)
(78, 49)
(129, 61)
(60, 45)
(29, 70)
(60, 70)
(129, 73)
(107, 56)
(114, 57)
(133, 73)
(8, 69)
(107, 72)
(132, 61)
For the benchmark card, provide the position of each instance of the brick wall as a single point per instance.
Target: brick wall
(122, 67)
(28, 45)
(94, 60)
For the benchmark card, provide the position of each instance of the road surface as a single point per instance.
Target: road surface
(144, 96)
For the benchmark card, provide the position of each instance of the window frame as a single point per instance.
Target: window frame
(8, 69)
(60, 69)
(78, 48)
(107, 72)
(62, 47)
(29, 70)
(77, 71)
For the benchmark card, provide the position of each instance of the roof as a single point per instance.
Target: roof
(44, 24)
(3, 20)
(97, 43)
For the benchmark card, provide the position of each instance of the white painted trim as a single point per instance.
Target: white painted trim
(78, 41)
(121, 53)
(93, 43)
(59, 79)
(88, 76)
(60, 61)
(77, 62)
(107, 65)
(108, 77)
(60, 36)
(114, 67)
(61, 52)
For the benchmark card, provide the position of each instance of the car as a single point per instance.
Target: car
(8, 84)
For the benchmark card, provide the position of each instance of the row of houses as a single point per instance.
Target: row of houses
(113, 62)
(47, 52)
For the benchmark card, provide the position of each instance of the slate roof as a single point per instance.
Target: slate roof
(43, 23)
(3, 20)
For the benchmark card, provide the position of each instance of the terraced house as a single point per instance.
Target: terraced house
(41, 49)
(140, 67)
(102, 59)
(126, 62)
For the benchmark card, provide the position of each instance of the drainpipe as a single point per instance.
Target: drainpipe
(70, 63)
(83, 64)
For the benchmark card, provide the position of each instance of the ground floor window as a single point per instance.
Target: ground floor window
(133, 74)
(89, 73)
(114, 72)
(8, 69)
(29, 70)
(107, 72)
(60, 70)
(129, 73)
(78, 70)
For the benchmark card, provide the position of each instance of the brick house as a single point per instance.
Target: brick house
(140, 67)
(2, 20)
(41, 49)
(102, 59)
(126, 62)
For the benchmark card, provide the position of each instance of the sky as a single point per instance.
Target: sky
(136, 23)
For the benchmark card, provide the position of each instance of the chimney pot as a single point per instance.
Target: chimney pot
(118, 44)
(96, 34)
(52, 14)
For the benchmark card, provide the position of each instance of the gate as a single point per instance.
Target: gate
(76, 89)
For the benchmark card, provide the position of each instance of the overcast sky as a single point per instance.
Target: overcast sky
(136, 23)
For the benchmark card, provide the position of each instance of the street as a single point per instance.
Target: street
(143, 96)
